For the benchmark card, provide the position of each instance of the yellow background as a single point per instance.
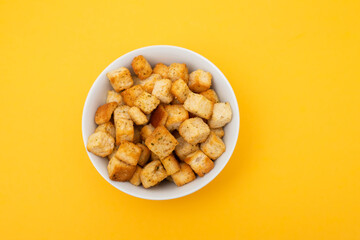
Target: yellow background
(295, 69)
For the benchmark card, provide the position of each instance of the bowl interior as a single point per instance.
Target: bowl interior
(166, 55)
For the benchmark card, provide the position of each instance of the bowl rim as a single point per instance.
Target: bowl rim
(202, 184)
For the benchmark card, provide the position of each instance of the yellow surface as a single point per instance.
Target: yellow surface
(294, 66)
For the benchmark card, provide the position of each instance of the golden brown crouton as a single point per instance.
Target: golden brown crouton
(177, 114)
(222, 115)
(183, 149)
(161, 142)
(113, 96)
(213, 147)
(113, 152)
(146, 131)
(129, 95)
(185, 175)
(199, 162)
(199, 105)
(152, 174)
(177, 71)
(122, 112)
(162, 70)
(120, 171)
(135, 179)
(211, 95)
(124, 130)
(146, 102)
(100, 144)
(159, 116)
(145, 155)
(128, 152)
(141, 67)
(107, 127)
(162, 90)
(170, 164)
(137, 135)
(194, 130)
(218, 132)
(104, 112)
(137, 116)
(199, 81)
(148, 83)
(180, 90)
(120, 79)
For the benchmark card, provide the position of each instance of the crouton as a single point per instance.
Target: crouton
(124, 130)
(213, 147)
(120, 171)
(218, 132)
(104, 112)
(145, 155)
(183, 149)
(107, 127)
(161, 142)
(170, 164)
(185, 175)
(162, 70)
(211, 95)
(135, 179)
(141, 67)
(180, 90)
(194, 130)
(120, 79)
(136, 80)
(129, 95)
(146, 102)
(199, 162)
(137, 135)
(100, 144)
(152, 174)
(113, 152)
(137, 116)
(146, 131)
(162, 90)
(148, 83)
(199, 105)
(159, 116)
(177, 114)
(178, 70)
(199, 81)
(222, 115)
(113, 96)
(122, 112)
(128, 152)
(154, 157)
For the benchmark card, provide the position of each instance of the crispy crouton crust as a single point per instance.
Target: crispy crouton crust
(145, 155)
(161, 69)
(200, 163)
(129, 95)
(222, 115)
(137, 116)
(107, 127)
(124, 130)
(120, 171)
(185, 175)
(113, 96)
(162, 90)
(146, 131)
(178, 70)
(180, 90)
(183, 149)
(104, 112)
(159, 116)
(211, 95)
(141, 67)
(120, 79)
(128, 152)
(170, 164)
(146, 102)
(199, 81)
(199, 105)
(213, 147)
(135, 179)
(161, 142)
(194, 130)
(100, 143)
(152, 174)
(176, 115)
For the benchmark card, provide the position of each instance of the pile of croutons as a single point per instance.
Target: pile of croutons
(167, 124)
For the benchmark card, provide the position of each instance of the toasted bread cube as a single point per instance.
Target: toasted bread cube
(129, 95)
(137, 116)
(162, 70)
(137, 81)
(135, 179)
(218, 132)
(185, 175)
(113, 152)
(148, 83)
(100, 144)
(161, 142)
(146, 102)
(122, 112)
(107, 127)
(177, 71)
(120, 79)
(141, 67)
(199, 105)
(120, 171)
(213, 147)
(113, 96)
(199, 162)
(194, 130)
(104, 112)
(137, 134)
(162, 90)
(152, 174)
(145, 154)
(128, 152)
(211, 95)
(124, 130)
(180, 90)
(170, 164)
(199, 81)
(146, 131)
(159, 116)
(222, 115)
(177, 114)
(183, 149)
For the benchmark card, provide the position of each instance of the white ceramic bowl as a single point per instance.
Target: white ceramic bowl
(167, 55)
